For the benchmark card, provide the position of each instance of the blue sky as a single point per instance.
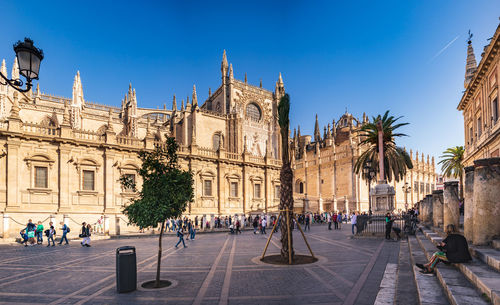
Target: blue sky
(368, 56)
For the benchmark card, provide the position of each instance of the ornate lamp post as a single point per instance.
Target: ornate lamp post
(28, 59)
(369, 174)
(406, 190)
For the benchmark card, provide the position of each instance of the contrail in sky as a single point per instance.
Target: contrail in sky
(443, 49)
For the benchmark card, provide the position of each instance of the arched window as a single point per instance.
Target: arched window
(253, 112)
(299, 187)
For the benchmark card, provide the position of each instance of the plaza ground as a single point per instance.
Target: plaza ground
(216, 268)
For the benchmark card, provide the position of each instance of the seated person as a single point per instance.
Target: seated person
(454, 249)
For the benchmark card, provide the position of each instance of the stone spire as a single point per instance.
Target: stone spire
(471, 65)
(317, 135)
(182, 105)
(224, 65)
(66, 119)
(3, 69)
(195, 98)
(174, 104)
(188, 105)
(231, 74)
(14, 110)
(298, 131)
(148, 127)
(246, 81)
(77, 103)
(209, 92)
(15, 70)
(325, 135)
(260, 85)
(280, 80)
(110, 121)
(329, 133)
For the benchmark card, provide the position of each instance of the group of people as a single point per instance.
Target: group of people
(33, 234)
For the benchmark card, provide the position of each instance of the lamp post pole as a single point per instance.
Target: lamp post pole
(369, 174)
(406, 189)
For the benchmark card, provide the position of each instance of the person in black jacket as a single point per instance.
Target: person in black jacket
(454, 249)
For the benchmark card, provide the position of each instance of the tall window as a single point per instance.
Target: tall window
(494, 110)
(41, 178)
(234, 189)
(253, 112)
(256, 190)
(415, 186)
(479, 127)
(207, 188)
(216, 141)
(471, 135)
(277, 192)
(88, 180)
(427, 188)
(422, 186)
(131, 178)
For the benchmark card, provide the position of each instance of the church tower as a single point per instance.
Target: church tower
(471, 65)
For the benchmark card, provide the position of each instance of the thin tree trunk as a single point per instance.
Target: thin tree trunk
(461, 187)
(286, 202)
(157, 282)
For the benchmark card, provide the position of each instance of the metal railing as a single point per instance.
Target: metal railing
(376, 224)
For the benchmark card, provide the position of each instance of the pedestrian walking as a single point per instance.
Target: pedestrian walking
(180, 234)
(86, 232)
(354, 219)
(264, 224)
(65, 230)
(39, 233)
(329, 219)
(50, 236)
(388, 226)
(238, 225)
(307, 225)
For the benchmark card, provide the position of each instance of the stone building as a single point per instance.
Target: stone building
(323, 170)
(480, 104)
(61, 158)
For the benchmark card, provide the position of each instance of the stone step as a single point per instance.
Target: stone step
(487, 255)
(406, 289)
(429, 290)
(496, 244)
(459, 288)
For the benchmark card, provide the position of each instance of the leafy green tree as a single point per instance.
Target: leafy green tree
(396, 159)
(452, 165)
(166, 191)
(286, 178)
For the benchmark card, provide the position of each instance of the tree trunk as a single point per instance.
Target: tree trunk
(286, 202)
(157, 282)
(461, 187)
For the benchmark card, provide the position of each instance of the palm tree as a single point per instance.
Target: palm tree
(452, 165)
(286, 179)
(396, 159)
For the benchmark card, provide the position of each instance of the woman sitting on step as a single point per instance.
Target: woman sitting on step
(453, 249)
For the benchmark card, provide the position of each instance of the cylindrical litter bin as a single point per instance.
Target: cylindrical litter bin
(126, 269)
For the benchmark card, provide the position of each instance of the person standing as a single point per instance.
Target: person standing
(354, 219)
(52, 232)
(329, 219)
(65, 230)
(307, 225)
(180, 234)
(388, 226)
(238, 225)
(264, 224)
(39, 233)
(334, 219)
(255, 225)
(30, 231)
(85, 235)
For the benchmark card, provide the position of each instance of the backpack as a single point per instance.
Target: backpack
(67, 229)
(47, 232)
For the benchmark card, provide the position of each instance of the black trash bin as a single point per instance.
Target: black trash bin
(126, 269)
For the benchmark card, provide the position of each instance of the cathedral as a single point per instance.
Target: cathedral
(61, 158)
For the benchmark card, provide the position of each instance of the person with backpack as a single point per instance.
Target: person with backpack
(180, 234)
(388, 226)
(30, 231)
(65, 230)
(51, 234)
(39, 233)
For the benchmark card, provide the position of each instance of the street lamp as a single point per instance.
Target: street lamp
(28, 59)
(406, 190)
(369, 174)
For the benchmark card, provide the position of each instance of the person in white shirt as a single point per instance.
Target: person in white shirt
(353, 221)
(264, 224)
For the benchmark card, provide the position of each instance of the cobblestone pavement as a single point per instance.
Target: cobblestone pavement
(214, 269)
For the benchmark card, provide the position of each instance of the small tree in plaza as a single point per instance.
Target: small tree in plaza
(286, 180)
(166, 191)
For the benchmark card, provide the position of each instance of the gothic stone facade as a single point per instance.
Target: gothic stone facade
(324, 177)
(61, 158)
(480, 104)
